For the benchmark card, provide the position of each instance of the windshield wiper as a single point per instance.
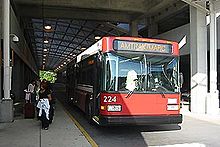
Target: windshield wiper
(112, 84)
(129, 94)
(161, 92)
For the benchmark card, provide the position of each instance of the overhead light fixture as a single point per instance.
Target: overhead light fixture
(44, 55)
(43, 62)
(45, 50)
(64, 62)
(46, 41)
(44, 59)
(97, 37)
(47, 27)
(83, 48)
(15, 38)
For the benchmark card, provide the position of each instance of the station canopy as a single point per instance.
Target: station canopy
(76, 23)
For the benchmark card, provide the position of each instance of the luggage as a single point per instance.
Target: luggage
(29, 110)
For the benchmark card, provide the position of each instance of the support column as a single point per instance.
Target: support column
(6, 105)
(1, 79)
(212, 99)
(198, 58)
(133, 27)
(6, 48)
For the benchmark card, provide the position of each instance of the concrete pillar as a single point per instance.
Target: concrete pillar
(152, 28)
(198, 58)
(212, 99)
(6, 48)
(133, 27)
(1, 52)
(6, 105)
(6, 111)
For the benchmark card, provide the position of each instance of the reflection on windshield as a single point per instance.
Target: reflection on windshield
(131, 80)
(142, 73)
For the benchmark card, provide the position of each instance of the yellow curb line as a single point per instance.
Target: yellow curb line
(83, 131)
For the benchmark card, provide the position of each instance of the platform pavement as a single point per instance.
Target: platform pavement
(28, 133)
(205, 117)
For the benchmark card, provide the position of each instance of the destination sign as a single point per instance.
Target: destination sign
(122, 45)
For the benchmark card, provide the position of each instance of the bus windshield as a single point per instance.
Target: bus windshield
(141, 73)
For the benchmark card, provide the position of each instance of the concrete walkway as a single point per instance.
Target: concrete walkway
(205, 117)
(28, 133)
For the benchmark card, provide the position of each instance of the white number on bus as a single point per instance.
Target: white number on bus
(110, 99)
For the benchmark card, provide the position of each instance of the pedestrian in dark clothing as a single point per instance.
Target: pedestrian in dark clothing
(44, 106)
(37, 88)
(52, 101)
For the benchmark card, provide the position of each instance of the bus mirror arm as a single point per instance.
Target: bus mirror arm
(181, 79)
(99, 60)
(100, 55)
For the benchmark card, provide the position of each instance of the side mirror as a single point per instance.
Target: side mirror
(99, 60)
(181, 80)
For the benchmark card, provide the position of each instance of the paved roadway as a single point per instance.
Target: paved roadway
(192, 132)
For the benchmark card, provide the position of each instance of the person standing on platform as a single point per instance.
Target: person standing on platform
(30, 93)
(51, 102)
(44, 106)
(37, 88)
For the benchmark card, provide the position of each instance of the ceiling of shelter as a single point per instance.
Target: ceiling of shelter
(76, 23)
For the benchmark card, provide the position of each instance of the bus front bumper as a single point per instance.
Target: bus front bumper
(140, 120)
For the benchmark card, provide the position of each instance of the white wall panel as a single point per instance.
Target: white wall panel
(176, 35)
(21, 48)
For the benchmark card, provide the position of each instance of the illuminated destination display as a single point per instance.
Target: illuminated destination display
(122, 45)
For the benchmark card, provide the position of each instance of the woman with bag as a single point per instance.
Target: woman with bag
(30, 96)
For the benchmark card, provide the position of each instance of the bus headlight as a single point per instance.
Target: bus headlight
(171, 101)
(114, 108)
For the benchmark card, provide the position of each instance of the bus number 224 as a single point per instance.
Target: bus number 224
(110, 99)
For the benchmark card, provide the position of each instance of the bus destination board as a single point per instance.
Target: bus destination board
(122, 45)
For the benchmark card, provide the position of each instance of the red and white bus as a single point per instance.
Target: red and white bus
(127, 80)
